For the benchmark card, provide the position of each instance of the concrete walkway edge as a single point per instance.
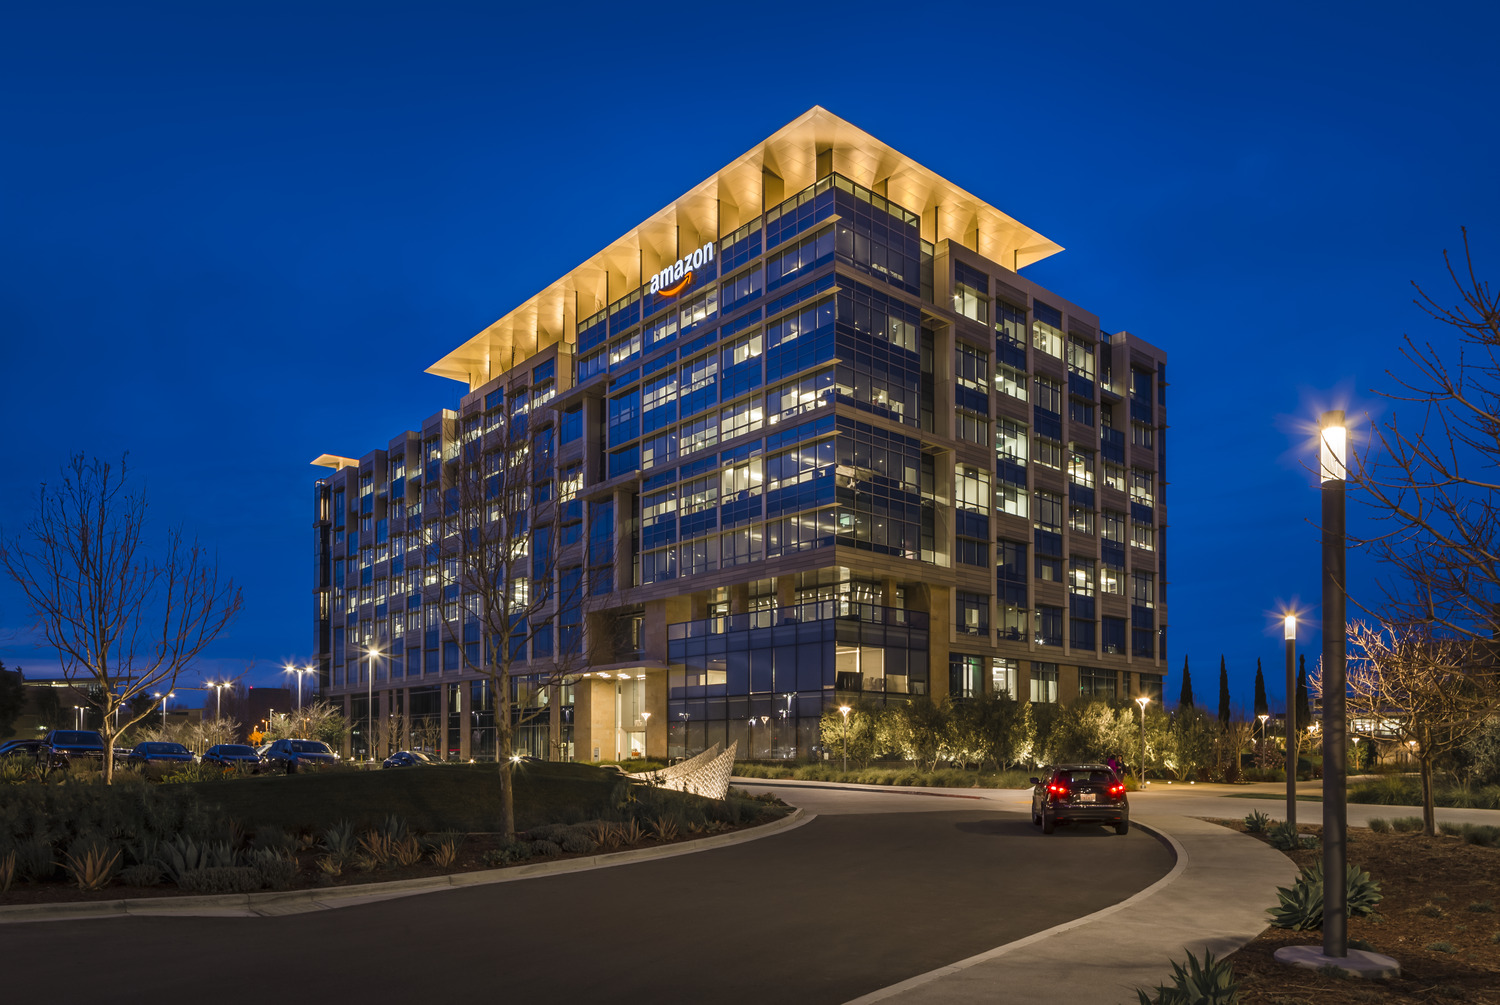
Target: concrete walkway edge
(1214, 898)
(276, 904)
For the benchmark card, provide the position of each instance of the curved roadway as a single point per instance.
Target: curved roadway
(878, 888)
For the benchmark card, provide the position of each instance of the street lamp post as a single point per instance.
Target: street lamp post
(1143, 701)
(1291, 718)
(1334, 473)
(164, 697)
(78, 716)
(684, 716)
(844, 711)
(373, 652)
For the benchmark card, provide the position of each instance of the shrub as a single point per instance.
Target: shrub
(93, 865)
(221, 879)
(1406, 825)
(1301, 905)
(515, 851)
(1483, 907)
(1209, 983)
(183, 855)
(665, 827)
(1449, 829)
(277, 840)
(406, 851)
(579, 842)
(276, 870)
(330, 865)
(1441, 947)
(1256, 822)
(142, 874)
(1380, 825)
(632, 834)
(1284, 836)
(34, 860)
(1484, 835)
(546, 849)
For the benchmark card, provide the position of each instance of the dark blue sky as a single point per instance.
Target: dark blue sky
(235, 236)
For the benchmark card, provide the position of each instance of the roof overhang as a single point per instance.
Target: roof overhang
(785, 163)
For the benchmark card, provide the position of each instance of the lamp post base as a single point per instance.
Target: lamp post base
(1371, 966)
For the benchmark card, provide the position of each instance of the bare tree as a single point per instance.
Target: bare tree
(1430, 469)
(316, 720)
(124, 624)
(517, 617)
(1433, 691)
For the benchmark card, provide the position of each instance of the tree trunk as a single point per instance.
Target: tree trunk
(1429, 812)
(109, 751)
(507, 799)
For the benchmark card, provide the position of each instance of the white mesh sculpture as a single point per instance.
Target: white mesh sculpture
(706, 774)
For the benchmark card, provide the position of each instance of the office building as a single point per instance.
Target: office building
(805, 436)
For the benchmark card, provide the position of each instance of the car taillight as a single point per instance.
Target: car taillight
(1060, 791)
(1117, 789)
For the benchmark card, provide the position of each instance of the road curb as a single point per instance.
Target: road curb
(900, 790)
(280, 904)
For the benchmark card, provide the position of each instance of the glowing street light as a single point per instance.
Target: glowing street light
(164, 697)
(299, 671)
(1333, 469)
(1143, 701)
(372, 651)
(844, 711)
(1289, 624)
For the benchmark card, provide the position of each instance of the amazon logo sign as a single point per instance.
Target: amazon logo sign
(679, 275)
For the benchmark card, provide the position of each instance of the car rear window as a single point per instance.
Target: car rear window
(75, 737)
(309, 747)
(236, 749)
(1100, 776)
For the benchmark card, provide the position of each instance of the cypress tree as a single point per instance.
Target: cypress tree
(1223, 694)
(1185, 699)
(1304, 709)
(1262, 707)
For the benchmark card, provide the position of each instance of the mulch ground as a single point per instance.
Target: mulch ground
(1440, 919)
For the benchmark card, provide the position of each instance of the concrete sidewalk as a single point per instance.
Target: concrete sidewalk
(1214, 898)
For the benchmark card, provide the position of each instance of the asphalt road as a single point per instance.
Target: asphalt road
(878, 888)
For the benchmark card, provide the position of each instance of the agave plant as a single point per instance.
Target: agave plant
(1301, 905)
(1209, 983)
(94, 868)
(1257, 822)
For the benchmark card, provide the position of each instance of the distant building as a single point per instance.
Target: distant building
(816, 440)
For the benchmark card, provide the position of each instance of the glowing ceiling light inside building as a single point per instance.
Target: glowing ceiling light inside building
(1334, 442)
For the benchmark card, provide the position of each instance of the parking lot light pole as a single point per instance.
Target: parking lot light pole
(1291, 718)
(1143, 701)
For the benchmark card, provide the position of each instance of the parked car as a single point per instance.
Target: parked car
(158, 752)
(62, 748)
(1080, 793)
(234, 756)
(292, 756)
(408, 759)
(20, 748)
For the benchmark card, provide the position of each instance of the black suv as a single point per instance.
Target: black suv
(1080, 793)
(63, 748)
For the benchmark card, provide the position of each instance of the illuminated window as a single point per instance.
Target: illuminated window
(1011, 382)
(1142, 485)
(1081, 467)
(1143, 536)
(1010, 440)
(1080, 357)
(1049, 453)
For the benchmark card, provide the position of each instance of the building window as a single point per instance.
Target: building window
(1143, 589)
(1112, 631)
(1046, 338)
(1081, 412)
(1080, 357)
(1143, 536)
(1044, 683)
(1081, 634)
(1080, 520)
(1112, 580)
(972, 428)
(1096, 683)
(1114, 477)
(973, 613)
(1081, 577)
(1011, 500)
(1081, 467)
(1049, 512)
(1049, 625)
(1011, 382)
(965, 677)
(1010, 440)
(1049, 453)
(1142, 485)
(1142, 435)
(1049, 395)
(1005, 676)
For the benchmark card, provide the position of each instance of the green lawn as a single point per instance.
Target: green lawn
(452, 797)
